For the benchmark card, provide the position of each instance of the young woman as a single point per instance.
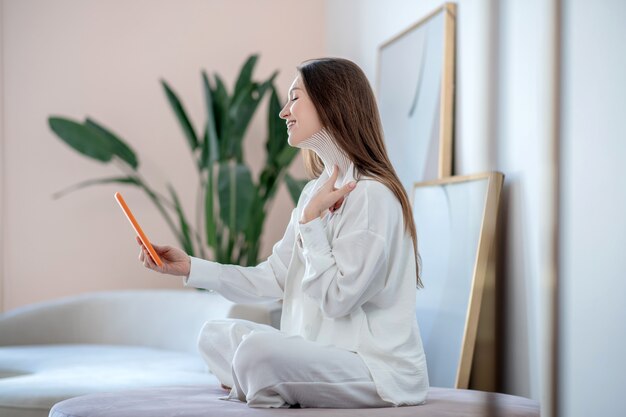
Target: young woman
(346, 267)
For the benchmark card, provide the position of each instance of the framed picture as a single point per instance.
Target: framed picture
(415, 93)
(455, 219)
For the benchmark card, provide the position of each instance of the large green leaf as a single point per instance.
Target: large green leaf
(285, 156)
(268, 176)
(240, 114)
(209, 211)
(221, 103)
(119, 147)
(82, 138)
(245, 76)
(206, 155)
(181, 115)
(242, 110)
(209, 150)
(276, 129)
(295, 187)
(246, 97)
(245, 103)
(236, 191)
(254, 230)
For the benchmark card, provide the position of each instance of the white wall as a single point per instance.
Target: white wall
(502, 110)
(2, 157)
(593, 197)
(104, 59)
(522, 116)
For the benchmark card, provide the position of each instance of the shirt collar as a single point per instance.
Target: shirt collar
(350, 176)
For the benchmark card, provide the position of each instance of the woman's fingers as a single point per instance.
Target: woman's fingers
(336, 196)
(141, 253)
(341, 192)
(148, 261)
(142, 249)
(339, 195)
(328, 197)
(145, 258)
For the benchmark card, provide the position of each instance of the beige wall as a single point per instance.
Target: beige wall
(104, 59)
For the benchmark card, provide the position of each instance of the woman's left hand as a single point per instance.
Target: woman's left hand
(327, 196)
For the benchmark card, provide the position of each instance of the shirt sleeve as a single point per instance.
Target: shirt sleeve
(247, 284)
(344, 276)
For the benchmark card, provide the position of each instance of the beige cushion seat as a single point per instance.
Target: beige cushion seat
(198, 401)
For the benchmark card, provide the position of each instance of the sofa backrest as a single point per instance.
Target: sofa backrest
(168, 319)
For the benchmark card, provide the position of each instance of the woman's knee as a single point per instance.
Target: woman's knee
(223, 332)
(258, 352)
(209, 332)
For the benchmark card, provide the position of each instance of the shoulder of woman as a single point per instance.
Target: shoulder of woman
(375, 192)
(374, 206)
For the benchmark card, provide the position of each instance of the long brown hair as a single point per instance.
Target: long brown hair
(346, 106)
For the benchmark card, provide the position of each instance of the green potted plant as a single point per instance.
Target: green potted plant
(231, 204)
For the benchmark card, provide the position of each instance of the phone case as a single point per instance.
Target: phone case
(142, 236)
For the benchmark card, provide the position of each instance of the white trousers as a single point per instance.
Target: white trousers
(268, 368)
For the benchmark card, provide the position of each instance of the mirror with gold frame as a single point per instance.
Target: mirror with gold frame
(455, 219)
(415, 93)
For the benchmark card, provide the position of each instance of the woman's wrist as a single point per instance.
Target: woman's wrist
(307, 216)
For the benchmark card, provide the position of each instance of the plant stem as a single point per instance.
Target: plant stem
(137, 174)
(157, 200)
(199, 201)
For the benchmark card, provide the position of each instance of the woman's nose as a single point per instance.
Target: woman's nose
(283, 113)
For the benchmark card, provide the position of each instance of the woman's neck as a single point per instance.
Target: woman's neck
(324, 145)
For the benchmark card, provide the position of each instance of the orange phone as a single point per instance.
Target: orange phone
(140, 233)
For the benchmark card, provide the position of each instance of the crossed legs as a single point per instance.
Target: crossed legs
(270, 369)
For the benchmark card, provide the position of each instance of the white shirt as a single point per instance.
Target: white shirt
(347, 279)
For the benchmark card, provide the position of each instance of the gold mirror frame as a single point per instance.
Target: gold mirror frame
(482, 286)
(446, 93)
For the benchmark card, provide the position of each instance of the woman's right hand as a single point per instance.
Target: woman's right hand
(175, 261)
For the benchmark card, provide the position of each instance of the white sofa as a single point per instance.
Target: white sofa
(108, 342)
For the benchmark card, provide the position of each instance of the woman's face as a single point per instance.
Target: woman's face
(300, 114)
